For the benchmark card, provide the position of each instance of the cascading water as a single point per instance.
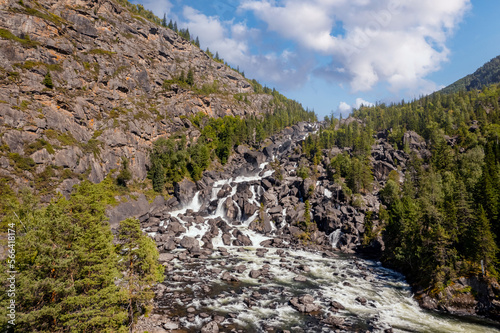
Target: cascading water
(334, 237)
(252, 288)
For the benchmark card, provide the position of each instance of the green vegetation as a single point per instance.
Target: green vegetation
(125, 174)
(38, 145)
(175, 158)
(57, 20)
(488, 74)
(30, 64)
(70, 276)
(141, 268)
(101, 52)
(21, 163)
(26, 41)
(65, 139)
(47, 81)
(444, 219)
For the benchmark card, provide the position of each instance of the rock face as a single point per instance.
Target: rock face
(106, 98)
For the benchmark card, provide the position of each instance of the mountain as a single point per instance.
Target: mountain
(488, 74)
(86, 84)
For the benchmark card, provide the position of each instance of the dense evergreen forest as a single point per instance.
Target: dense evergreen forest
(488, 74)
(70, 273)
(442, 219)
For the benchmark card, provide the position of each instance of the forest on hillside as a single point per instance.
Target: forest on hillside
(442, 219)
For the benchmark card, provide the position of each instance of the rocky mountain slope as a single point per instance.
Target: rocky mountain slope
(84, 84)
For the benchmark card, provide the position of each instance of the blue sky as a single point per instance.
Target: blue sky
(332, 55)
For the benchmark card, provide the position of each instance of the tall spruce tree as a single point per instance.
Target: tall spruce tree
(141, 267)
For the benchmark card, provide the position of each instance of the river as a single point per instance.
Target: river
(252, 288)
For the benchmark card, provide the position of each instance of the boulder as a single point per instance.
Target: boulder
(131, 208)
(254, 158)
(189, 243)
(304, 304)
(184, 191)
(211, 327)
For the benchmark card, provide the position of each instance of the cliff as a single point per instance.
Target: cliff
(84, 84)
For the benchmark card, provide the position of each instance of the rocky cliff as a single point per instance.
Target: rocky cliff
(85, 83)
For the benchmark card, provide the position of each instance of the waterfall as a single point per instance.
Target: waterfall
(334, 237)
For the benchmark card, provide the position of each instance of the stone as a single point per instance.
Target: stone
(254, 274)
(131, 208)
(189, 243)
(337, 305)
(165, 257)
(184, 191)
(211, 327)
(304, 304)
(361, 300)
(171, 326)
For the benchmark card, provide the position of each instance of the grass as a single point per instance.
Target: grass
(30, 64)
(92, 146)
(101, 52)
(21, 163)
(94, 68)
(66, 139)
(38, 145)
(26, 42)
(208, 88)
(57, 20)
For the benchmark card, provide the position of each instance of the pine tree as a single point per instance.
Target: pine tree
(141, 267)
(197, 42)
(171, 25)
(47, 80)
(485, 246)
(164, 20)
(190, 77)
(67, 266)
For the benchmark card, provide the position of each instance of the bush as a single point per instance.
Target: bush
(47, 81)
(125, 175)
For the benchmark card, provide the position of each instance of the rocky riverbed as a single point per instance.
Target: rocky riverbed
(238, 259)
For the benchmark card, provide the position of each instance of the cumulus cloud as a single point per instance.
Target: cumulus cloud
(232, 40)
(158, 7)
(345, 109)
(391, 41)
(215, 34)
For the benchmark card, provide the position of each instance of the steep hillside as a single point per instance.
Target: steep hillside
(84, 84)
(488, 74)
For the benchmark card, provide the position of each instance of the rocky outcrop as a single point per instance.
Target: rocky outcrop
(86, 84)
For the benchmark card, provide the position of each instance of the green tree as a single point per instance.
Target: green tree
(484, 242)
(47, 80)
(190, 77)
(125, 175)
(67, 265)
(141, 267)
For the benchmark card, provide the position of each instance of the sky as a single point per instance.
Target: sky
(333, 55)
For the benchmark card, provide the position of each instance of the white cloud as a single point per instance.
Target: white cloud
(344, 109)
(214, 34)
(158, 7)
(392, 41)
(361, 102)
(232, 40)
